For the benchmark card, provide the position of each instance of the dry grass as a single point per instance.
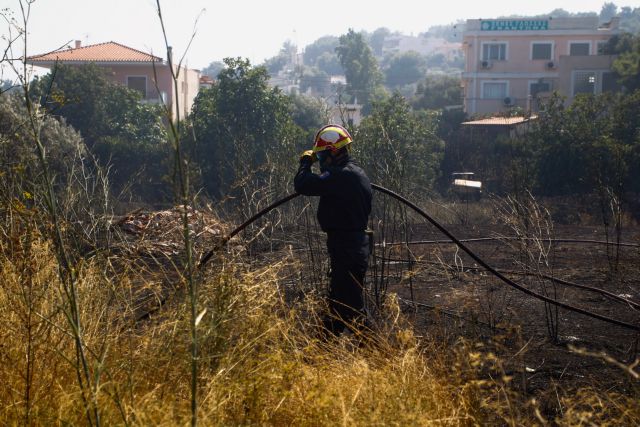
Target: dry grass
(260, 363)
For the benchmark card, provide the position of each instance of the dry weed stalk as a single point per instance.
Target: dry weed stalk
(630, 369)
(260, 361)
(88, 367)
(531, 223)
(612, 215)
(184, 199)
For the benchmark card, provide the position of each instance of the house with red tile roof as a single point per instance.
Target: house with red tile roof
(138, 70)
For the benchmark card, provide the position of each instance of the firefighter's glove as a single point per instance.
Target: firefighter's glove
(308, 157)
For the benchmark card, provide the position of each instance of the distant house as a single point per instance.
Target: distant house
(398, 43)
(285, 82)
(287, 78)
(516, 62)
(206, 82)
(346, 114)
(492, 127)
(338, 80)
(146, 73)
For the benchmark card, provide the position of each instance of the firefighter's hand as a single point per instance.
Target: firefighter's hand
(308, 156)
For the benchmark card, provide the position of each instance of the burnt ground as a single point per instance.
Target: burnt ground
(455, 299)
(441, 290)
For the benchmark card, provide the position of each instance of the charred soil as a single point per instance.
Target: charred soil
(544, 347)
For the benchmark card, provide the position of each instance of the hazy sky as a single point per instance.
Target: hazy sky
(251, 29)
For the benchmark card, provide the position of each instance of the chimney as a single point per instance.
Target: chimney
(78, 43)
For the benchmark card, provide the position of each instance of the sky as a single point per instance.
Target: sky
(249, 29)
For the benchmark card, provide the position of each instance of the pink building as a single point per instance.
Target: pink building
(515, 62)
(135, 69)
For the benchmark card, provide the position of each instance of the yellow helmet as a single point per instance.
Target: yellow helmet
(331, 137)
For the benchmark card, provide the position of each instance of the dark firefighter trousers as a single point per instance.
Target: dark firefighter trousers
(349, 253)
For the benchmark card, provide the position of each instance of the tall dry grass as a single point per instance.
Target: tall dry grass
(260, 361)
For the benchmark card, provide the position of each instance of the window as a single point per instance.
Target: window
(541, 51)
(540, 86)
(579, 49)
(494, 90)
(584, 82)
(138, 83)
(494, 51)
(597, 81)
(602, 48)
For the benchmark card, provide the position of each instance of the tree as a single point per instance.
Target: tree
(243, 131)
(286, 56)
(630, 20)
(75, 184)
(576, 151)
(326, 44)
(315, 79)
(627, 64)
(608, 11)
(404, 68)
(329, 63)
(437, 92)
(439, 60)
(289, 49)
(361, 67)
(436, 60)
(6, 86)
(625, 130)
(80, 95)
(400, 147)
(96, 106)
(276, 63)
(16, 147)
(309, 114)
(213, 69)
(376, 40)
(126, 136)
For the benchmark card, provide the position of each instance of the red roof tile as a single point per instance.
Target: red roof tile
(102, 52)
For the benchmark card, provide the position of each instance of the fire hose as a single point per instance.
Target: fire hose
(449, 235)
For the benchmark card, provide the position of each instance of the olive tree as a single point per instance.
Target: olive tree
(244, 136)
(400, 147)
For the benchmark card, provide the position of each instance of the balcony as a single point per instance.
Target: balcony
(155, 100)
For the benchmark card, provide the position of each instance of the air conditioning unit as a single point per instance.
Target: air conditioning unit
(485, 64)
(551, 65)
(507, 101)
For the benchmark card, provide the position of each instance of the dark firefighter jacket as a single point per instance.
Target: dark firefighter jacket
(345, 195)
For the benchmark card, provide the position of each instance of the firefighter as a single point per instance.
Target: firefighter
(343, 214)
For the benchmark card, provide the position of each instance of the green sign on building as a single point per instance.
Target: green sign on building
(514, 25)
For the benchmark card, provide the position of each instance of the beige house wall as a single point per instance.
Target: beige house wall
(189, 88)
(570, 65)
(346, 114)
(188, 84)
(518, 70)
